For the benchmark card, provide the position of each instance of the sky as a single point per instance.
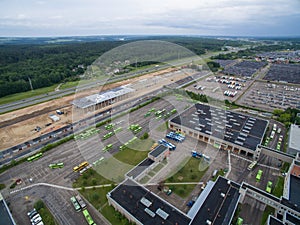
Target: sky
(150, 17)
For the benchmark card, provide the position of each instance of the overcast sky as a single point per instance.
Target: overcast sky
(183, 17)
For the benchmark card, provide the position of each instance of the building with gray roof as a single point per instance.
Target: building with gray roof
(294, 140)
(5, 215)
(100, 100)
(221, 128)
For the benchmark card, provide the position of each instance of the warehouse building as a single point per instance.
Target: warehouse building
(221, 128)
(100, 100)
(294, 141)
(5, 215)
(216, 204)
(159, 153)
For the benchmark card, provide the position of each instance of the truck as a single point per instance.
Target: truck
(167, 144)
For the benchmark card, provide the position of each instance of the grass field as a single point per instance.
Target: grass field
(97, 196)
(131, 157)
(141, 145)
(278, 189)
(163, 127)
(45, 214)
(192, 171)
(90, 178)
(268, 210)
(27, 94)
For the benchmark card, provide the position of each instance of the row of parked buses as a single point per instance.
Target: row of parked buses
(79, 205)
(81, 167)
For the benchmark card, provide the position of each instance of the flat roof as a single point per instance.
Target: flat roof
(129, 195)
(158, 150)
(236, 128)
(6, 218)
(94, 99)
(274, 221)
(296, 171)
(219, 205)
(294, 140)
(294, 190)
(140, 168)
(293, 219)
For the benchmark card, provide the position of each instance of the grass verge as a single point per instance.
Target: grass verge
(278, 189)
(28, 94)
(97, 196)
(192, 171)
(268, 210)
(90, 178)
(44, 212)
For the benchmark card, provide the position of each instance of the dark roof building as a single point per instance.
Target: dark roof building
(143, 207)
(219, 205)
(140, 168)
(159, 153)
(5, 215)
(274, 221)
(138, 204)
(219, 127)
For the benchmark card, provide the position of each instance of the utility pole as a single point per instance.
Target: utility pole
(30, 83)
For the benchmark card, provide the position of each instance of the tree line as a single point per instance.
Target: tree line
(47, 64)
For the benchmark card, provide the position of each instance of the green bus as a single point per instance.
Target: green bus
(88, 217)
(258, 175)
(269, 187)
(239, 221)
(75, 203)
(34, 157)
(107, 147)
(56, 165)
(108, 135)
(119, 129)
(109, 126)
(147, 114)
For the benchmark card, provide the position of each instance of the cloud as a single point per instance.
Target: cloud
(82, 17)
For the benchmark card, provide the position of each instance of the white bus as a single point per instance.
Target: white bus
(252, 165)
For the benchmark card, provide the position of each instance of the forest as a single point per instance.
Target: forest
(47, 64)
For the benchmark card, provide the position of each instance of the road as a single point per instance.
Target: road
(57, 94)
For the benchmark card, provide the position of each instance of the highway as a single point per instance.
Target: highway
(81, 87)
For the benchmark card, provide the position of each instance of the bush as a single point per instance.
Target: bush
(39, 205)
(2, 186)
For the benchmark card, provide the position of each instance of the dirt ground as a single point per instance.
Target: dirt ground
(17, 132)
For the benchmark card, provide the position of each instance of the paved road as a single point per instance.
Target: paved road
(57, 94)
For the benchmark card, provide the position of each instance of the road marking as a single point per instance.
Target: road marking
(43, 184)
(229, 165)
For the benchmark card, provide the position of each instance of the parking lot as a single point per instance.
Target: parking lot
(221, 87)
(284, 72)
(244, 68)
(74, 152)
(71, 154)
(267, 96)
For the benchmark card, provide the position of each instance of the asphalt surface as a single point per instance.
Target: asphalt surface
(57, 94)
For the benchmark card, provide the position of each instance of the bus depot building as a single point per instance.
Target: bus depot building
(103, 99)
(221, 128)
(215, 205)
